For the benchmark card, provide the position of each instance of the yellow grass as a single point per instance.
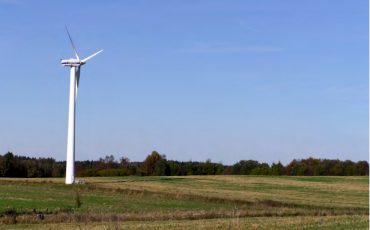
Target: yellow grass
(306, 222)
(343, 193)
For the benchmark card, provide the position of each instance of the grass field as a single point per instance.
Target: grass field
(191, 202)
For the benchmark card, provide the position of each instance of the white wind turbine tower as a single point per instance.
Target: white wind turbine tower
(75, 65)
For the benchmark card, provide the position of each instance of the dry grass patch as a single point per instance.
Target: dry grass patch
(342, 192)
(309, 222)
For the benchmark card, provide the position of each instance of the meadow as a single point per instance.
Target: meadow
(186, 202)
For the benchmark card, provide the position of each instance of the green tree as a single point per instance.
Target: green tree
(276, 169)
(154, 165)
(8, 165)
(244, 167)
(262, 169)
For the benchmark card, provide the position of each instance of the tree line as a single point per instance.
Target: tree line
(156, 164)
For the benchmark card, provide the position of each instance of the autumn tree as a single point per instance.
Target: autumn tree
(154, 165)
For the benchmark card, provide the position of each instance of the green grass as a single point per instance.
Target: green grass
(189, 202)
(24, 197)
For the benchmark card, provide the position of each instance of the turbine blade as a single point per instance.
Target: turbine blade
(77, 78)
(91, 56)
(73, 45)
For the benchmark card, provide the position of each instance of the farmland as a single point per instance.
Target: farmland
(188, 202)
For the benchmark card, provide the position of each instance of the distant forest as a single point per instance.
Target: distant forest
(157, 165)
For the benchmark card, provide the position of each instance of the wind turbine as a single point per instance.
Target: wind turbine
(75, 65)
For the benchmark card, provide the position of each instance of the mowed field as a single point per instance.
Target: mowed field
(189, 202)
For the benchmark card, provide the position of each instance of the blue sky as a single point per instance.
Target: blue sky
(226, 80)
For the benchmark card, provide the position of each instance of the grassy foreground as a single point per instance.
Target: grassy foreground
(203, 202)
(331, 222)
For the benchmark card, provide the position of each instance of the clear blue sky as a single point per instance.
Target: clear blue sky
(227, 80)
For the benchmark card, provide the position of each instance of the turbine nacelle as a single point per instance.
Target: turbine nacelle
(71, 62)
(76, 61)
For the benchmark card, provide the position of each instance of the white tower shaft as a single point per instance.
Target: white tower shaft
(75, 65)
(70, 167)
